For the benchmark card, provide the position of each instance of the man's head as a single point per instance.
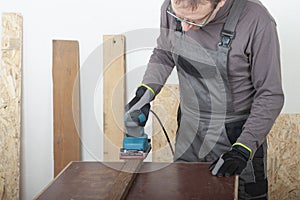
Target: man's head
(196, 11)
(193, 4)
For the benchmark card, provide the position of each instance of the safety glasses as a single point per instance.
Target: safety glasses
(170, 12)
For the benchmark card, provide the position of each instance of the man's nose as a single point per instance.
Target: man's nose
(185, 26)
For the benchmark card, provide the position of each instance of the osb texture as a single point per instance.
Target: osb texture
(114, 94)
(10, 105)
(165, 106)
(284, 159)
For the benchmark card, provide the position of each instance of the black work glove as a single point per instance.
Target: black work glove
(138, 108)
(232, 162)
(139, 116)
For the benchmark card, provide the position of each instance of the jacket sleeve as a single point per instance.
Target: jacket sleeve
(161, 61)
(266, 78)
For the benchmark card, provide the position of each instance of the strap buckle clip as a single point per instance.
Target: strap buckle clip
(226, 38)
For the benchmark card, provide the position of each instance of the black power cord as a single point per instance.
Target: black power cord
(164, 130)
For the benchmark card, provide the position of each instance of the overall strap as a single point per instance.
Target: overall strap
(227, 35)
(228, 31)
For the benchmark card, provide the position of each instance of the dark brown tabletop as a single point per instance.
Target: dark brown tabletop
(93, 180)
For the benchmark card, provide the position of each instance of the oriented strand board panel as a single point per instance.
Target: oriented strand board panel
(10, 105)
(165, 105)
(114, 94)
(176, 181)
(284, 159)
(66, 120)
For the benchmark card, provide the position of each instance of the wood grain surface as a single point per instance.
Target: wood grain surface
(66, 109)
(95, 180)
(114, 95)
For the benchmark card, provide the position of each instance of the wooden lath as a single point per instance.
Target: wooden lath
(66, 108)
(114, 94)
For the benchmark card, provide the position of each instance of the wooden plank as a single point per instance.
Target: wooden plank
(114, 102)
(124, 180)
(66, 103)
(165, 106)
(94, 180)
(10, 105)
(283, 158)
(114, 94)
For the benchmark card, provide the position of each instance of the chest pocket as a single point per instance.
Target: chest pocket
(196, 69)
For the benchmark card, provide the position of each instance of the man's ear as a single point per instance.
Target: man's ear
(221, 3)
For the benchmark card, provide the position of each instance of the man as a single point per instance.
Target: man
(226, 53)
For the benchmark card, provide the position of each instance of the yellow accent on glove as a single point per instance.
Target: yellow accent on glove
(149, 88)
(240, 144)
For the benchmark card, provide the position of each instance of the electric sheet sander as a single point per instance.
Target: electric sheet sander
(136, 144)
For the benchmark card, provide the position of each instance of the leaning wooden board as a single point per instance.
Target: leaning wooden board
(66, 103)
(114, 94)
(10, 104)
(94, 180)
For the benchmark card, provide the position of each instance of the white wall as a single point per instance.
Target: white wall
(86, 21)
(287, 17)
